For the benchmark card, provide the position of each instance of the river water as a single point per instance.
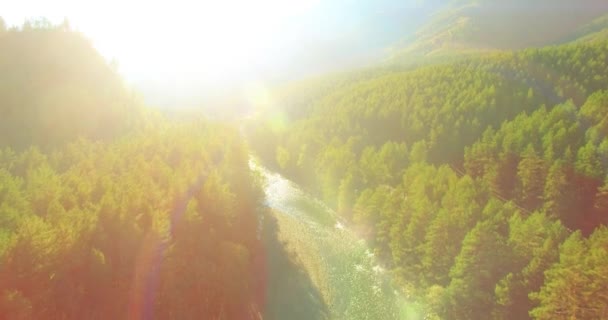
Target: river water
(343, 275)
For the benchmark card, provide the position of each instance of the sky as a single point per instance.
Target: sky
(221, 38)
(179, 46)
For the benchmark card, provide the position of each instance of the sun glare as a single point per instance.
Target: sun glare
(176, 40)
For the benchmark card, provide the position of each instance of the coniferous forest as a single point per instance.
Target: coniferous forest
(481, 182)
(476, 179)
(108, 210)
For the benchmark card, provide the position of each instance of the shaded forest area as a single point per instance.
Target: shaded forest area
(480, 181)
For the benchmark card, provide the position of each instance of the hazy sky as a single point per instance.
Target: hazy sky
(182, 45)
(221, 38)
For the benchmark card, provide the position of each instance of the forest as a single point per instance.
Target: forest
(481, 181)
(475, 180)
(109, 210)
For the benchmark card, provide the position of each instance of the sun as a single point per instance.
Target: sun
(211, 41)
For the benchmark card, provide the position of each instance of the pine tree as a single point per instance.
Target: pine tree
(531, 174)
(558, 197)
(478, 267)
(574, 287)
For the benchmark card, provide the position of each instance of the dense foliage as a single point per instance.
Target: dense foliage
(139, 218)
(485, 25)
(481, 182)
(55, 86)
(162, 223)
(470, 178)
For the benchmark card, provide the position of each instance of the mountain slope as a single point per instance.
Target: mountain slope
(465, 176)
(49, 76)
(465, 25)
(597, 30)
(158, 222)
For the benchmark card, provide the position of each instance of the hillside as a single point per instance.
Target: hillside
(596, 30)
(486, 25)
(108, 210)
(467, 178)
(450, 169)
(54, 86)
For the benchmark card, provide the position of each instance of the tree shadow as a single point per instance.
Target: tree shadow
(290, 293)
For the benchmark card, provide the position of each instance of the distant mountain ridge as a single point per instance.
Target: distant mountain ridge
(489, 25)
(596, 30)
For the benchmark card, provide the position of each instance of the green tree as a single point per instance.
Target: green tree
(479, 266)
(531, 173)
(558, 195)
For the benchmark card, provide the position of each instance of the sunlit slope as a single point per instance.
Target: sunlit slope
(553, 159)
(481, 25)
(446, 105)
(474, 180)
(158, 222)
(597, 30)
(55, 87)
(161, 223)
